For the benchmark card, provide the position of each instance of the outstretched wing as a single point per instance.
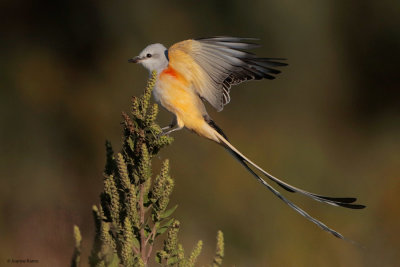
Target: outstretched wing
(214, 64)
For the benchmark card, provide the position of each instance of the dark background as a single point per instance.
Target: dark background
(330, 124)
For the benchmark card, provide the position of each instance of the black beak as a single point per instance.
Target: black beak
(134, 60)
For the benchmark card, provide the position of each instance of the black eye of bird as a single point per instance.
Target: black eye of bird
(148, 55)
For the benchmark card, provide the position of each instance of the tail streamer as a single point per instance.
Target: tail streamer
(343, 202)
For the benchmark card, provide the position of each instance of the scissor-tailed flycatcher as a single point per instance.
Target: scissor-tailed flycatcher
(205, 69)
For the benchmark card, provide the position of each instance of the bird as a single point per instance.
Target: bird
(195, 71)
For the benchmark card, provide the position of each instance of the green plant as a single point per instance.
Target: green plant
(133, 211)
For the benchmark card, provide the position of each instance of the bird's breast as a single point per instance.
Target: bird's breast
(176, 94)
(171, 88)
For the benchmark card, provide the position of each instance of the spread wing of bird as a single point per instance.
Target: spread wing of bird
(214, 64)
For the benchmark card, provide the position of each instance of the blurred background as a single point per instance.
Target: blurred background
(330, 123)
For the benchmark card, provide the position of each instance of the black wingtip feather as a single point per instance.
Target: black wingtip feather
(228, 39)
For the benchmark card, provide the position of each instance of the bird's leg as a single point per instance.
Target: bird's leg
(177, 128)
(172, 127)
(173, 124)
(167, 127)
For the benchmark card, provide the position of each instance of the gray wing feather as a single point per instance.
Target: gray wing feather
(226, 65)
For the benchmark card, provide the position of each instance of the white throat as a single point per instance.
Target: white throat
(154, 57)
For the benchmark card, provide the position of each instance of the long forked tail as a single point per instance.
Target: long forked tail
(343, 202)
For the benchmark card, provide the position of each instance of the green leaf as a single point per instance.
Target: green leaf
(161, 230)
(168, 224)
(114, 261)
(131, 144)
(164, 227)
(167, 213)
(172, 261)
(146, 200)
(158, 258)
(135, 242)
(147, 230)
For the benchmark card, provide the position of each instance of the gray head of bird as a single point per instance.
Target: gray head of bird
(153, 57)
